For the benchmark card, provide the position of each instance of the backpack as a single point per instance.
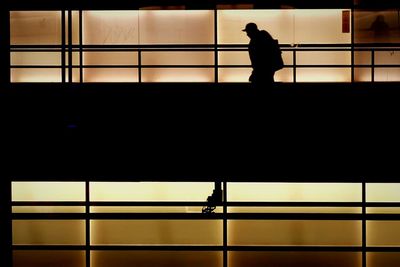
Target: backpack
(276, 55)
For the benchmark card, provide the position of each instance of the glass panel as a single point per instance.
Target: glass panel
(275, 192)
(178, 58)
(156, 232)
(48, 191)
(35, 75)
(323, 74)
(110, 58)
(362, 58)
(48, 232)
(47, 209)
(234, 58)
(75, 27)
(279, 23)
(362, 74)
(176, 26)
(284, 75)
(319, 26)
(156, 258)
(110, 27)
(150, 191)
(290, 259)
(234, 74)
(294, 210)
(383, 233)
(35, 27)
(76, 75)
(376, 26)
(383, 259)
(75, 58)
(387, 192)
(387, 74)
(389, 210)
(178, 75)
(110, 75)
(48, 258)
(35, 58)
(323, 58)
(387, 57)
(149, 209)
(294, 233)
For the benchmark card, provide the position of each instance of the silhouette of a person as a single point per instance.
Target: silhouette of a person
(260, 48)
(380, 27)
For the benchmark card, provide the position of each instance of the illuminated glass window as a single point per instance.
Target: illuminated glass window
(156, 258)
(294, 233)
(35, 27)
(156, 232)
(150, 191)
(48, 232)
(275, 192)
(176, 27)
(48, 191)
(290, 259)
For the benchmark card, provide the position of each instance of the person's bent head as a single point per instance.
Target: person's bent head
(251, 29)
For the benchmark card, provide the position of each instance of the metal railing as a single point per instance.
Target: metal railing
(139, 51)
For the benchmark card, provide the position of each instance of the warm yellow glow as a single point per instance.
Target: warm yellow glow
(48, 191)
(178, 58)
(279, 23)
(323, 58)
(75, 58)
(48, 232)
(294, 233)
(380, 259)
(176, 27)
(319, 26)
(156, 258)
(163, 209)
(271, 192)
(294, 209)
(178, 75)
(323, 74)
(387, 74)
(362, 74)
(150, 191)
(301, 26)
(292, 258)
(233, 74)
(110, 58)
(110, 75)
(35, 27)
(75, 27)
(35, 75)
(383, 233)
(35, 58)
(110, 27)
(387, 210)
(42, 258)
(383, 192)
(156, 232)
(234, 58)
(47, 209)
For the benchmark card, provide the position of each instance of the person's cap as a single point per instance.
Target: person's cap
(250, 27)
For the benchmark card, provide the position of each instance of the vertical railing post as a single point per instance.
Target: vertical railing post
(63, 33)
(372, 64)
(80, 47)
(294, 65)
(364, 226)
(225, 224)
(139, 65)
